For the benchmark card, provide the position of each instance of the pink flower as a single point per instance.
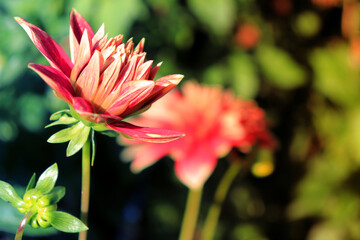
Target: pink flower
(214, 122)
(105, 81)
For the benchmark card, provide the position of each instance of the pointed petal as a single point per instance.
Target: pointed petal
(82, 56)
(107, 52)
(196, 167)
(131, 94)
(79, 24)
(129, 45)
(88, 80)
(155, 135)
(127, 73)
(163, 86)
(154, 71)
(47, 46)
(99, 45)
(108, 79)
(74, 45)
(56, 80)
(99, 35)
(143, 71)
(140, 47)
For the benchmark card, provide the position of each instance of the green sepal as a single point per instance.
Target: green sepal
(47, 179)
(93, 147)
(66, 134)
(52, 197)
(77, 141)
(109, 133)
(8, 194)
(59, 114)
(63, 120)
(100, 127)
(74, 114)
(31, 183)
(66, 223)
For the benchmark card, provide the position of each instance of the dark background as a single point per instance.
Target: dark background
(299, 60)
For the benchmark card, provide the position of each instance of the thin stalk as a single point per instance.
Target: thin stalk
(220, 195)
(22, 225)
(85, 187)
(191, 214)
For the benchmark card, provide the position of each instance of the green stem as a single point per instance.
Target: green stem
(22, 225)
(191, 214)
(85, 187)
(220, 194)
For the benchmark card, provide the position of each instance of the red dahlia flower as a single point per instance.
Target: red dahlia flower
(213, 121)
(105, 81)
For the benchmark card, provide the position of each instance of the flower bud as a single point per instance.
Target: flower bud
(44, 211)
(31, 196)
(43, 201)
(43, 222)
(34, 223)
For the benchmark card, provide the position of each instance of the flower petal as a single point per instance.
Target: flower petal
(82, 56)
(134, 94)
(79, 24)
(127, 73)
(196, 166)
(56, 80)
(163, 86)
(140, 47)
(108, 79)
(74, 45)
(82, 106)
(133, 90)
(88, 81)
(48, 47)
(146, 134)
(99, 35)
(154, 71)
(143, 70)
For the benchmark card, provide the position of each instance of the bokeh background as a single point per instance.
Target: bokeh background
(300, 60)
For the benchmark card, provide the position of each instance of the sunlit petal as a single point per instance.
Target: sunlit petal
(79, 24)
(48, 47)
(154, 135)
(56, 80)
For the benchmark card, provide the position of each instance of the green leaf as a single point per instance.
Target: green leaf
(217, 74)
(63, 120)
(32, 114)
(47, 179)
(218, 15)
(67, 133)
(65, 222)
(8, 193)
(335, 76)
(245, 80)
(247, 231)
(93, 147)
(280, 68)
(31, 183)
(78, 141)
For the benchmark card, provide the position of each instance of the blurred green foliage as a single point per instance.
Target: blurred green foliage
(288, 55)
